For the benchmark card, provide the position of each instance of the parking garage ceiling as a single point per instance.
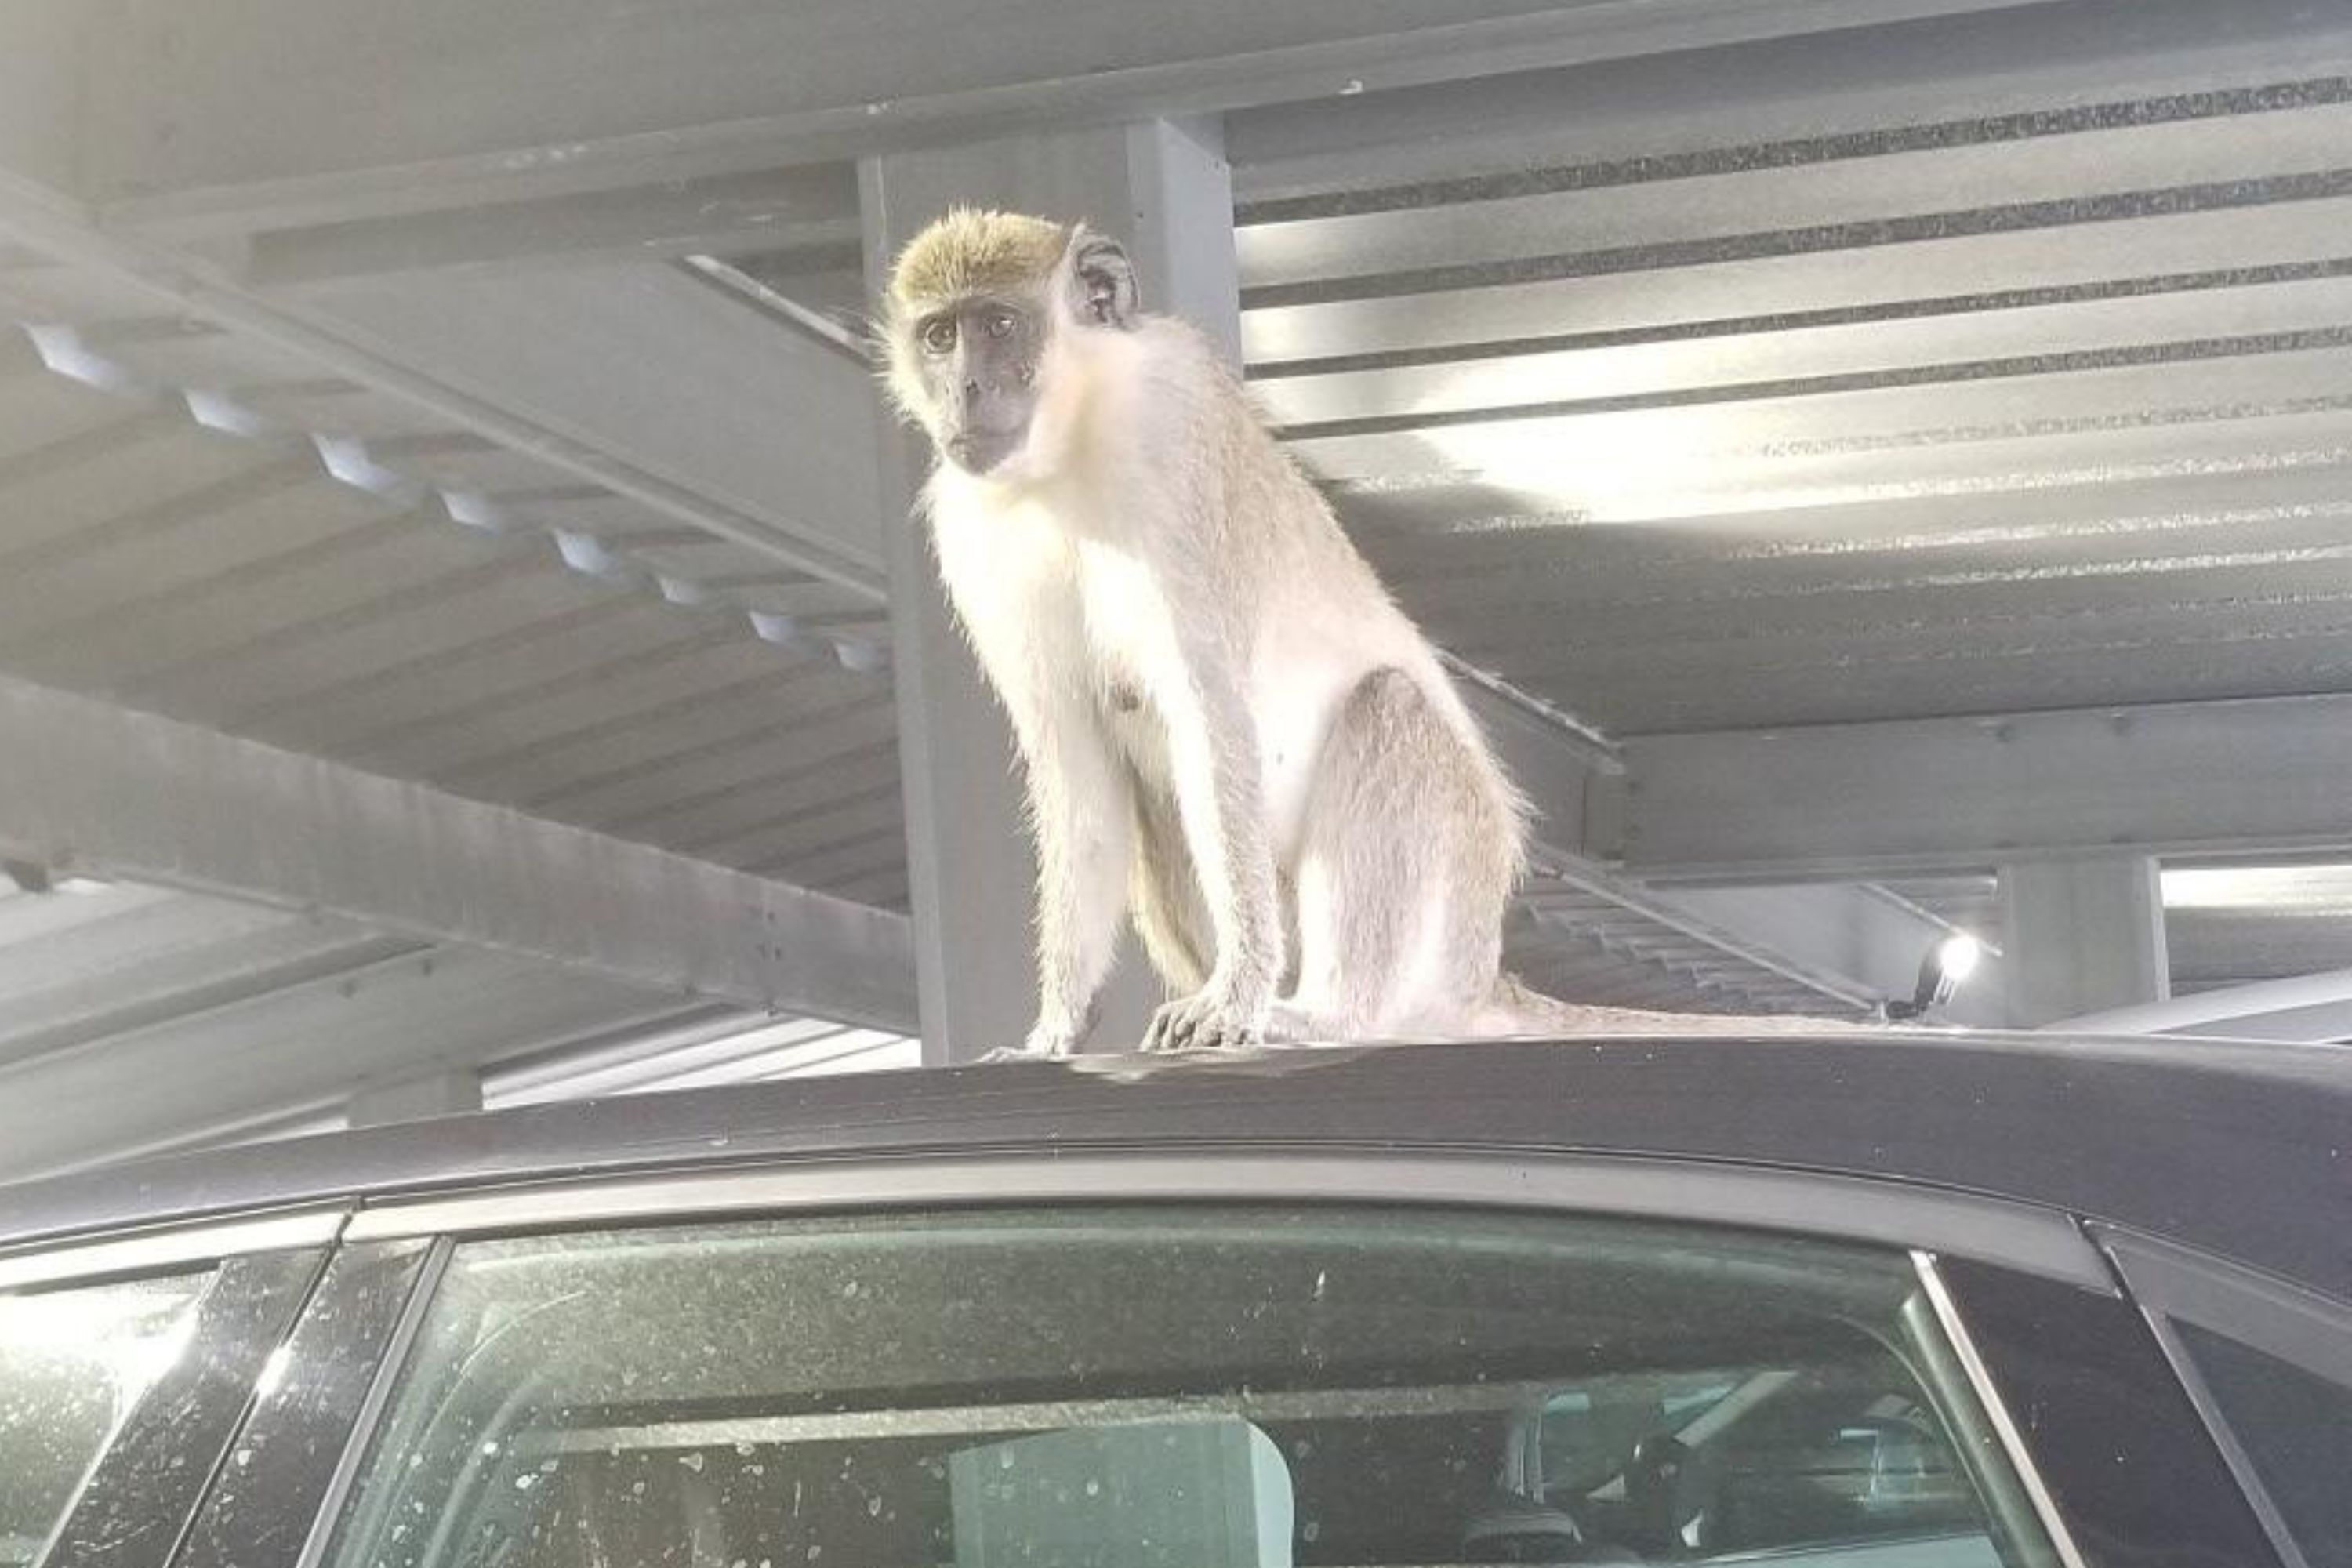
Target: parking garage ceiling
(1704, 382)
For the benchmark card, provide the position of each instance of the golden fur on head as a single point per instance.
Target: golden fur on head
(973, 252)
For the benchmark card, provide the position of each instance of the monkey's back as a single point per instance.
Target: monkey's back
(1317, 619)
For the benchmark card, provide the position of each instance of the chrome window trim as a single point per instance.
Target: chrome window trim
(1032, 1416)
(1900, 1217)
(1996, 1409)
(151, 1251)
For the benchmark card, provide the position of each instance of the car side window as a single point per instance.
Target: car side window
(1827, 1445)
(2295, 1428)
(2271, 1364)
(1194, 1387)
(74, 1361)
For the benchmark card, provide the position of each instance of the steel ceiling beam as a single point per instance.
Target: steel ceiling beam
(131, 794)
(655, 367)
(2312, 1008)
(42, 68)
(441, 1091)
(1853, 802)
(176, 137)
(575, 398)
(246, 1069)
(1857, 945)
(810, 211)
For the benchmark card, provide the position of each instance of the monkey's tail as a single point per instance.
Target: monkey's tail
(1516, 1010)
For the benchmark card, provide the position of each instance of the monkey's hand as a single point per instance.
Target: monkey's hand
(1050, 1042)
(1210, 1019)
(1038, 1047)
(1054, 1037)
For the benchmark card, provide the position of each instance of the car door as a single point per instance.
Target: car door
(1317, 1362)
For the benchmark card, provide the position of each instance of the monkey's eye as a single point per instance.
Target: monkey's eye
(940, 336)
(1000, 324)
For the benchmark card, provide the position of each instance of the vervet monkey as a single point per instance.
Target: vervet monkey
(1230, 732)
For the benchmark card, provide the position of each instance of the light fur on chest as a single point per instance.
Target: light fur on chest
(1057, 599)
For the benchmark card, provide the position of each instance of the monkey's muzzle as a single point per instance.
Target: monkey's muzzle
(980, 451)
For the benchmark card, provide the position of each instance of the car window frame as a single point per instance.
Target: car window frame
(58, 1261)
(2118, 1442)
(1902, 1217)
(311, 1425)
(1941, 1356)
(1917, 1223)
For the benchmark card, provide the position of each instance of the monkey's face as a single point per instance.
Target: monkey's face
(979, 362)
(978, 324)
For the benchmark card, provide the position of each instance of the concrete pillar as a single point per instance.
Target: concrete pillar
(2081, 936)
(1164, 189)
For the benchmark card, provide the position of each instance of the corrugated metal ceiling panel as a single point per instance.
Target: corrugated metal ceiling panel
(243, 581)
(110, 992)
(2046, 408)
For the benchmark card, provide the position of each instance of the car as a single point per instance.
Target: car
(1882, 1299)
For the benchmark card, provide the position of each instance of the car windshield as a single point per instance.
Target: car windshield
(1324, 1389)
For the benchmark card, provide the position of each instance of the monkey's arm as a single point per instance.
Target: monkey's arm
(1083, 825)
(1220, 802)
(1079, 816)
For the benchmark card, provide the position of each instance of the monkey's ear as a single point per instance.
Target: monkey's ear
(1103, 279)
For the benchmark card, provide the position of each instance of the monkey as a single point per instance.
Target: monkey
(1231, 734)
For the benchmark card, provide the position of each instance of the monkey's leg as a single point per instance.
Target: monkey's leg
(1164, 896)
(1402, 877)
(1221, 807)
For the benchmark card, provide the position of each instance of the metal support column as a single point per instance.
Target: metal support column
(1164, 189)
(2083, 936)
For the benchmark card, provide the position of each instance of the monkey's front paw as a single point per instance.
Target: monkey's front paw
(1046, 1043)
(1205, 1021)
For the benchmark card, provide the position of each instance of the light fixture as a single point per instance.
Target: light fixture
(1947, 965)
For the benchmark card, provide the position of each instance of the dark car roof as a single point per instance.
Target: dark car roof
(2240, 1149)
